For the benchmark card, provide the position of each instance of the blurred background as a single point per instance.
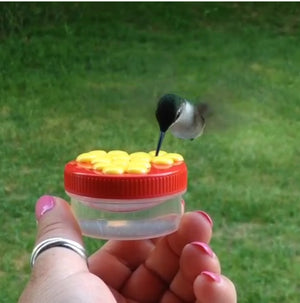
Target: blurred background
(83, 76)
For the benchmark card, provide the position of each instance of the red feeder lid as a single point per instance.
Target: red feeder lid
(83, 181)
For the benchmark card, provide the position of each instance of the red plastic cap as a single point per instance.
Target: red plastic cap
(158, 182)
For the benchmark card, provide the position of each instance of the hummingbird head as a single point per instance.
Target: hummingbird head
(168, 110)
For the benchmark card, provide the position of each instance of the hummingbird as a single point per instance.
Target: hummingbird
(184, 119)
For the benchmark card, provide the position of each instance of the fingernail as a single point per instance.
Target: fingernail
(211, 276)
(44, 204)
(204, 248)
(207, 217)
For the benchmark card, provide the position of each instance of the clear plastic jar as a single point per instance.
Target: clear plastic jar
(127, 205)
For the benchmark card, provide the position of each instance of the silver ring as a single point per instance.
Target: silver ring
(57, 242)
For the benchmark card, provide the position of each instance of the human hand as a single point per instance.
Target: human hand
(179, 267)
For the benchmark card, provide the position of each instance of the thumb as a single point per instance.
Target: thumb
(55, 219)
(59, 274)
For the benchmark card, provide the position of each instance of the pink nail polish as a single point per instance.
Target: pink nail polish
(44, 204)
(207, 217)
(204, 248)
(212, 276)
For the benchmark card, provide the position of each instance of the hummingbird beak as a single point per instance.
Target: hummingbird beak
(161, 137)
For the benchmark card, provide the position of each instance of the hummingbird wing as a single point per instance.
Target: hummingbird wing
(203, 109)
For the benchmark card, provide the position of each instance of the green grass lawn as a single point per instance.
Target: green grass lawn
(76, 77)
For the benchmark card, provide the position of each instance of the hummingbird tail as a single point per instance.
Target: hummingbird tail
(161, 137)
